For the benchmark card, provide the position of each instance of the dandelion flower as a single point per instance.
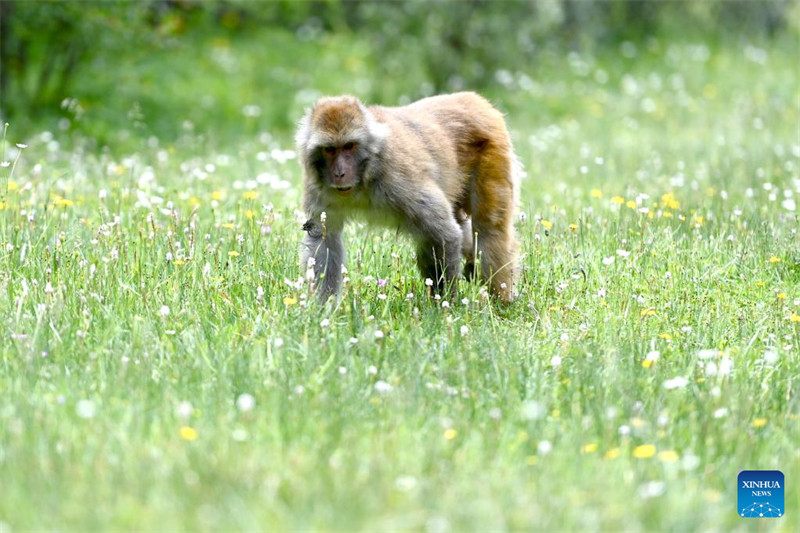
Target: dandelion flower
(185, 410)
(668, 456)
(619, 200)
(382, 387)
(759, 422)
(245, 402)
(589, 448)
(188, 433)
(774, 259)
(250, 195)
(544, 447)
(164, 311)
(613, 453)
(86, 409)
(678, 382)
(450, 434)
(546, 224)
(645, 451)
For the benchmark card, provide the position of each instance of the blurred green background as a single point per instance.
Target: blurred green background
(121, 72)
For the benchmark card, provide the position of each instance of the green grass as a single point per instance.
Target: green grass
(136, 330)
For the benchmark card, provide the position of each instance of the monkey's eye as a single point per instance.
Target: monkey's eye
(330, 150)
(349, 146)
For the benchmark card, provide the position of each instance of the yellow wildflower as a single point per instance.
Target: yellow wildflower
(631, 204)
(228, 225)
(233, 253)
(217, 195)
(668, 456)
(188, 433)
(774, 259)
(250, 195)
(546, 224)
(573, 227)
(781, 296)
(589, 448)
(645, 451)
(613, 453)
(596, 193)
(619, 200)
(62, 202)
(288, 300)
(450, 434)
(759, 422)
(669, 201)
(794, 318)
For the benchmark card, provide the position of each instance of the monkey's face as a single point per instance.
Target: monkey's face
(337, 139)
(338, 166)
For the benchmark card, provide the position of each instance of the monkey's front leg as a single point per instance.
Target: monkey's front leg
(440, 240)
(324, 245)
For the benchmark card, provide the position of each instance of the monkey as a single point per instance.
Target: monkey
(442, 168)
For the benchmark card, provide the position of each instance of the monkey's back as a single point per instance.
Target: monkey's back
(446, 136)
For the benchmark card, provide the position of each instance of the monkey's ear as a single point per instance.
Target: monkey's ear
(303, 132)
(377, 130)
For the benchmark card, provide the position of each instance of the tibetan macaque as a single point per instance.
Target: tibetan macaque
(440, 168)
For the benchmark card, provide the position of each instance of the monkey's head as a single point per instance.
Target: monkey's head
(336, 140)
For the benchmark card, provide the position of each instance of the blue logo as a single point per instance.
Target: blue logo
(761, 494)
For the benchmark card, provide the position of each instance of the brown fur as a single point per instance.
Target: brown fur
(441, 167)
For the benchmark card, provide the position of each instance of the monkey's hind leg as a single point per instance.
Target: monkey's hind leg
(467, 245)
(493, 222)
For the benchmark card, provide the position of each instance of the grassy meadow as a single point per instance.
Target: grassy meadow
(163, 367)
